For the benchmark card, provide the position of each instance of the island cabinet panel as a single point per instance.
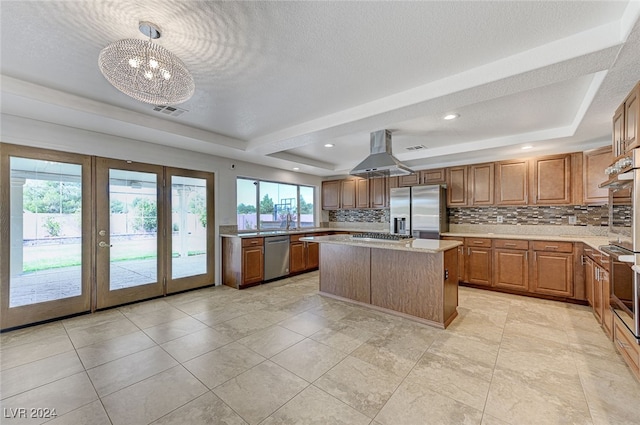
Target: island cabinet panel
(345, 271)
(552, 180)
(461, 258)
(410, 293)
(511, 265)
(511, 182)
(331, 194)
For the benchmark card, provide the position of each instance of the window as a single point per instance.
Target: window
(264, 205)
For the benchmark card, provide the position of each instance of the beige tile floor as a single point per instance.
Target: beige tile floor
(282, 354)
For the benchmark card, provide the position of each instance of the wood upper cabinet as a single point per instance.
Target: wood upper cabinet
(511, 182)
(552, 180)
(594, 163)
(481, 184)
(618, 132)
(631, 119)
(362, 193)
(331, 194)
(553, 268)
(378, 192)
(435, 176)
(410, 180)
(478, 261)
(348, 193)
(511, 264)
(457, 186)
(392, 182)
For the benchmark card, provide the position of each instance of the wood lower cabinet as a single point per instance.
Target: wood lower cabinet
(242, 261)
(478, 261)
(511, 265)
(461, 256)
(303, 256)
(626, 345)
(553, 269)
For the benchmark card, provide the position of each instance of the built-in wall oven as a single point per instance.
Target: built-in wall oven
(625, 279)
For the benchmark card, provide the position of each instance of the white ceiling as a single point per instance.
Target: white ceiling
(275, 81)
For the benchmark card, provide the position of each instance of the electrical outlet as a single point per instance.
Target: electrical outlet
(499, 219)
(573, 219)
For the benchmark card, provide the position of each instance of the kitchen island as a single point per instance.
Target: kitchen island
(413, 278)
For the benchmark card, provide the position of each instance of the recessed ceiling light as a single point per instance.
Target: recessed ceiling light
(527, 147)
(296, 168)
(328, 145)
(451, 116)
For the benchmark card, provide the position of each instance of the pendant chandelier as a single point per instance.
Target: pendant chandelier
(146, 71)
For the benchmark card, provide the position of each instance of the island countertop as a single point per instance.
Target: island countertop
(415, 245)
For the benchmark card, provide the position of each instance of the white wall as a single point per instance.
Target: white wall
(39, 134)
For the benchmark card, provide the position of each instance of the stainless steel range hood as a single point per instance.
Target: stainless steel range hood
(380, 162)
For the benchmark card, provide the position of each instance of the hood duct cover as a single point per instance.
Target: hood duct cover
(380, 162)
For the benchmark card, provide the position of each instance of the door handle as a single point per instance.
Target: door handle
(103, 244)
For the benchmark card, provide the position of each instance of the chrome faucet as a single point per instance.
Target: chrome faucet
(288, 221)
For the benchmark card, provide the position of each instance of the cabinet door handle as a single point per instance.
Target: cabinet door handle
(478, 242)
(526, 255)
(535, 256)
(468, 251)
(598, 275)
(551, 247)
(509, 244)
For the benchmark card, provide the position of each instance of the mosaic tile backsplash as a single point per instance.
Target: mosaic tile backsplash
(356, 216)
(548, 215)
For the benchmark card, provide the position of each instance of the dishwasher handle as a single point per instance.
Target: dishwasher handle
(273, 240)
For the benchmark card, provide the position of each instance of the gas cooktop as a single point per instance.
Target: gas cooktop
(383, 236)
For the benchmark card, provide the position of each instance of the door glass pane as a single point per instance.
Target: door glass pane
(45, 231)
(133, 228)
(189, 226)
(246, 190)
(307, 218)
(278, 205)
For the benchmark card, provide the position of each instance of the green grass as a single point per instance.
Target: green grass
(46, 257)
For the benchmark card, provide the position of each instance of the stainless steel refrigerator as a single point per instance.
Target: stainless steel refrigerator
(419, 211)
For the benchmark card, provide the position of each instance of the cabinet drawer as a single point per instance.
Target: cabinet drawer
(478, 242)
(511, 244)
(252, 242)
(553, 246)
(626, 345)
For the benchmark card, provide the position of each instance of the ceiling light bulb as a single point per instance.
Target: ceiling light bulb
(148, 75)
(153, 63)
(296, 168)
(134, 62)
(165, 74)
(328, 145)
(527, 147)
(451, 116)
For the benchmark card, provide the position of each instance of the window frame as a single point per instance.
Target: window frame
(257, 183)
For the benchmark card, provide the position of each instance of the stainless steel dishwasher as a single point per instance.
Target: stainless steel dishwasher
(276, 257)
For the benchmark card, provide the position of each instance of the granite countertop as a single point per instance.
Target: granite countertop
(592, 241)
(416, 245)
(294, 232)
